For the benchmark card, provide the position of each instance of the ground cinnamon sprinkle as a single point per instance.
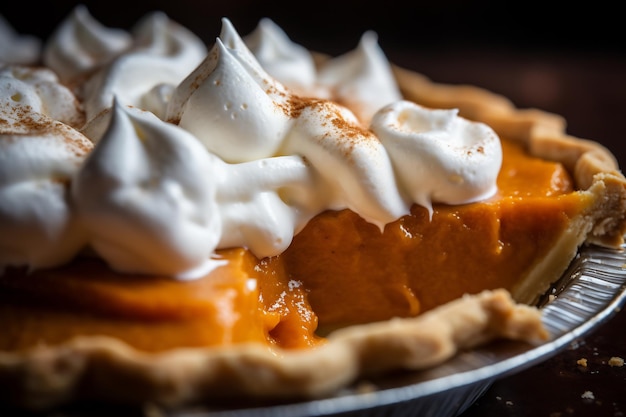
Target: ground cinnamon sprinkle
(350, 130)
(22, 120)
(296, 105)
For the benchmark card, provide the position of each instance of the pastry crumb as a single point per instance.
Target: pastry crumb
(616, 361)
(582, 362)
(587, 395)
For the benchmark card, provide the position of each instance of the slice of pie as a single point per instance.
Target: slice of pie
(347, 296)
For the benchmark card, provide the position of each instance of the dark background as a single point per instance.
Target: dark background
(419, 24)
(562, 58)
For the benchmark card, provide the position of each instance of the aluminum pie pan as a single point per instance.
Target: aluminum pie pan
(590, 292)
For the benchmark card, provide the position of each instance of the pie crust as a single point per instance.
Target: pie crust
(106, 369)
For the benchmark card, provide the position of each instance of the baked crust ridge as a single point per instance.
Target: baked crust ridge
(82, 368)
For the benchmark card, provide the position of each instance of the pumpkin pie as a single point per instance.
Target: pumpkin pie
(345, 299)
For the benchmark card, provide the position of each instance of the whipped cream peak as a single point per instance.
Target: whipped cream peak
(38, 159)
(152, 33)
(230, 38)
(159, 57)
(81, 44)
(17, 49)
(356, 170)
(264, 203)
(183, 151)
(146, 195)
(232, 106)
(159, 35)
(38, 90)
(439, 156)
(290, 63)
(361, 79)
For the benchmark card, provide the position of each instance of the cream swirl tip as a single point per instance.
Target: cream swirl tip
(232, 106)
(160, 56)
(17, 49)
(38, 224)
(288, 62)
(146, 196)
(439, 156)
(81, 44)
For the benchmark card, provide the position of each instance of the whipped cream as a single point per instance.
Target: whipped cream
(353, 163)
(233, 107)
(31, 89)
(160, 56)
(40, 152)
(81, 44)
(16, 48)
(196, 149)
(439, 156)
(361, 79)
(264, 203)
(241, 114)
(145, 173)
(288, 62)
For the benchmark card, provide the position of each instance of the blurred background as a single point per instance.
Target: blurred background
(562, 58)
(421, 24)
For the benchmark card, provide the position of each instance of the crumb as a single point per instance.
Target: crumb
(588, 395)
(551, 298)
(582, 362)
(509, 403)
(616, 361)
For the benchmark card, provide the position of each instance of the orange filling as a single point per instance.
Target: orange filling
(338, 271)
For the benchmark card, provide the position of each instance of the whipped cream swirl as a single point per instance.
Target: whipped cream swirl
(40, 152)
(195, 151)
(31, 89)
(81, 44)
(361, 79)
(439, 157)
(290, 63)
(145, 173)
(140, 67)
(17, 49)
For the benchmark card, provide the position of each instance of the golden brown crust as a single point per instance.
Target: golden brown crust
(85, 367)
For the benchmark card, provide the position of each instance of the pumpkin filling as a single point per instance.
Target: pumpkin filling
(338, 271)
